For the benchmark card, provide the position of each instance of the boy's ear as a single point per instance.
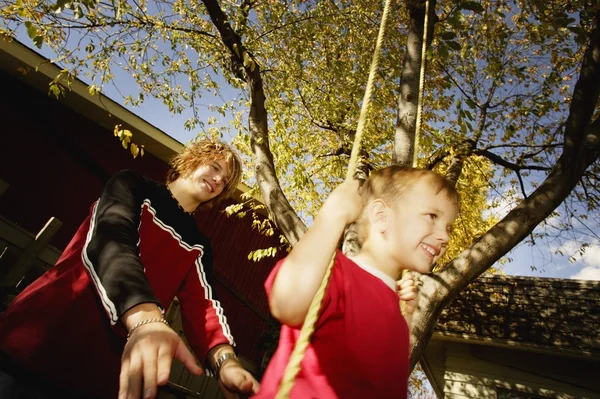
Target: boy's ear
(378, 212)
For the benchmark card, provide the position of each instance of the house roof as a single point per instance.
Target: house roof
(538, 314)
(37, 71)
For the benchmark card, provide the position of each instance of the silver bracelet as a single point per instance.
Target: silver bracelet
(222, 359)
(147, 321)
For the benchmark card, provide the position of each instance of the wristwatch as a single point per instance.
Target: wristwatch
(222, 359)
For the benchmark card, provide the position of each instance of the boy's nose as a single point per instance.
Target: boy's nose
(218, 178)
(443, 235)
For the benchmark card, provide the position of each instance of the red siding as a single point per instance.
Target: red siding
(56, 162)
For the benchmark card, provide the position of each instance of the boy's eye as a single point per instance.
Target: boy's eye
(432, 216)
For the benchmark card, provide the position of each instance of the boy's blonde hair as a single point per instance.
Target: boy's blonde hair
(203, 152)
(391, 182)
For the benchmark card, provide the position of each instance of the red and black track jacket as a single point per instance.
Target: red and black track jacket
(137, 246)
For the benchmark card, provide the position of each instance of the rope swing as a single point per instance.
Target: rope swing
(293, 366)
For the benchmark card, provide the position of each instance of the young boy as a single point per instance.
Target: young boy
(93, 325)
(360, 346)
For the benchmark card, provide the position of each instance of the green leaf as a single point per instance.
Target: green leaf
(471, 6)
(443, 52)
(453, 45)
(38, 41)
(448, 35)
(31, 30)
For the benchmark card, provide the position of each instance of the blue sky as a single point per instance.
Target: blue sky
(543, 256)
(538, 261)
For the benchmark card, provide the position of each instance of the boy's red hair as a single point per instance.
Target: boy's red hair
(202, 152)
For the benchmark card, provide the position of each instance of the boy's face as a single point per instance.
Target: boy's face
(418, 227)
(208, 180)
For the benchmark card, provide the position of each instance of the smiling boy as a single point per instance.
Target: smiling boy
(93, 325)
(360, 345)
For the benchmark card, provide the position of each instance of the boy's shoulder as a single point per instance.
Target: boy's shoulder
(133, 178)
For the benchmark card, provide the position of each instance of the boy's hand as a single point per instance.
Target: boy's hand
(344, 202)
(146, 360)
(407, 292)
(147, 356)
(236, 382)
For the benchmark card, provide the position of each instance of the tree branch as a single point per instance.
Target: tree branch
(280, 210)
(509, 165)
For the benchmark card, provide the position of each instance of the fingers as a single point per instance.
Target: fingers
(407, 288)
(255, 385)
(236, 379)
(248, 384)
(183, 353)
(124, 380)
(130, 378)
(227, 394)
(163, 369)
(149, 373)
(146, 361)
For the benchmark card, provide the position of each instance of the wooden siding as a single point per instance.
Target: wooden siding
(476, 372)
(55, 160)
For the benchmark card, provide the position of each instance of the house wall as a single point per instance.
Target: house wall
(56, 162)
(434, 363)
(476, 371)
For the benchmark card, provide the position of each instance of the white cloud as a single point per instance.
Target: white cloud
(590, 260)
(592, 256)
(500, 205)
(587, 273)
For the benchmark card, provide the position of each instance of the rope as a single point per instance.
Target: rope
(367, 98)
(421, 83)
(293, 366)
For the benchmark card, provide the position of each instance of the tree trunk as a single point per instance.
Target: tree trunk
(404, 138)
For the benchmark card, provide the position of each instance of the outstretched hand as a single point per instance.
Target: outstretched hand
(236, 382)
(146, 360)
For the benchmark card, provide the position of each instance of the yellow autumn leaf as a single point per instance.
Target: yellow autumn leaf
(135, 150)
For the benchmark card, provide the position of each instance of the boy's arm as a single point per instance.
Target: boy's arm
(111, 252)
(203, 318)
(302, 271)
(206, 329)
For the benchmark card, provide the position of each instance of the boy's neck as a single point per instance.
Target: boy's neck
(379, 261)
(187, 202)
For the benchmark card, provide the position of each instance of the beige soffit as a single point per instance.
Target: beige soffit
(505, 343)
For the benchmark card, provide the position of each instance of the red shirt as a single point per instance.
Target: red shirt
(360, 345)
